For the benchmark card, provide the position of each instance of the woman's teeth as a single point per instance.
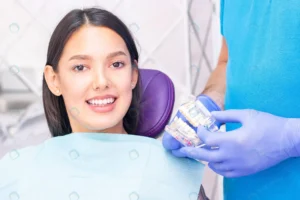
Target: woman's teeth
(101, 102)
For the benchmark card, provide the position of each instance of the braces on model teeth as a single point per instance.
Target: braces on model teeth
(197, 115)
(101, 101)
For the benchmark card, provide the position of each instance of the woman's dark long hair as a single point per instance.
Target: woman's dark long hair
(55, 109)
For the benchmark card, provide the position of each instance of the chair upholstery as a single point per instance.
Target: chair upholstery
(156, 103)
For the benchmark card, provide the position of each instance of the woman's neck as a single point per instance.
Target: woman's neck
(117, 129)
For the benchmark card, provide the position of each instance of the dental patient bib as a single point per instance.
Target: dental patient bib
(89, 166)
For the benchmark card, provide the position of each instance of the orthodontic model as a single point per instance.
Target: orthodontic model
(196, 115)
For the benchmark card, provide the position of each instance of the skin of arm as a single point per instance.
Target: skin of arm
(216, 84)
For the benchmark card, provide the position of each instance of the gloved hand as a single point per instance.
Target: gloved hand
(262, 141)
(170, 143)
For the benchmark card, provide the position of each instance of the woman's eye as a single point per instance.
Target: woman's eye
(117, 64)
(79, 68)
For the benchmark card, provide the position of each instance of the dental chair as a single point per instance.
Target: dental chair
(157, 102)
(158, 96)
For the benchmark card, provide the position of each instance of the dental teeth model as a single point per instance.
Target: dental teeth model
(196, 115)
(183, 133)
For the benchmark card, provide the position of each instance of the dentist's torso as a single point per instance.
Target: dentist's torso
(263, 39)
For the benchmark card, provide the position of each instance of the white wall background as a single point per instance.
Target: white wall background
(157, 25)
(178, 37)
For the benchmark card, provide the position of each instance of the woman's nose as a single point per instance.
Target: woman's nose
(101, 80)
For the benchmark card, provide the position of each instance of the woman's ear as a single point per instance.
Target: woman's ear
(135, 74)
(52, 80)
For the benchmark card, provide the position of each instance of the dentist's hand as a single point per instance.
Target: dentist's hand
(170, 143)
(262, 141)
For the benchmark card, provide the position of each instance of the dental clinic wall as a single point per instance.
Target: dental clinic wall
(160, 29)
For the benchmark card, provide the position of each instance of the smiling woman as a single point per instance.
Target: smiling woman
(91, 78)
(91, 88)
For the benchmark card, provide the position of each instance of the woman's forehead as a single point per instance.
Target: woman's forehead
(95, 40)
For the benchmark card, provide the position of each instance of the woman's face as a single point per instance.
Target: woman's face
(95, 78)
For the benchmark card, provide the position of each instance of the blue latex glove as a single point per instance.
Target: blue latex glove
(262, 141)
(170, 143)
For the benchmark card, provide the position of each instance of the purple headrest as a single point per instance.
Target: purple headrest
(156, 103)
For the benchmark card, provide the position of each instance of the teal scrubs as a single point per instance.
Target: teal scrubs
(263, 39)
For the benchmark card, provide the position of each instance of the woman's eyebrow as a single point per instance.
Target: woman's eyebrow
(87, 57)
(117, 53)
(81, 57)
